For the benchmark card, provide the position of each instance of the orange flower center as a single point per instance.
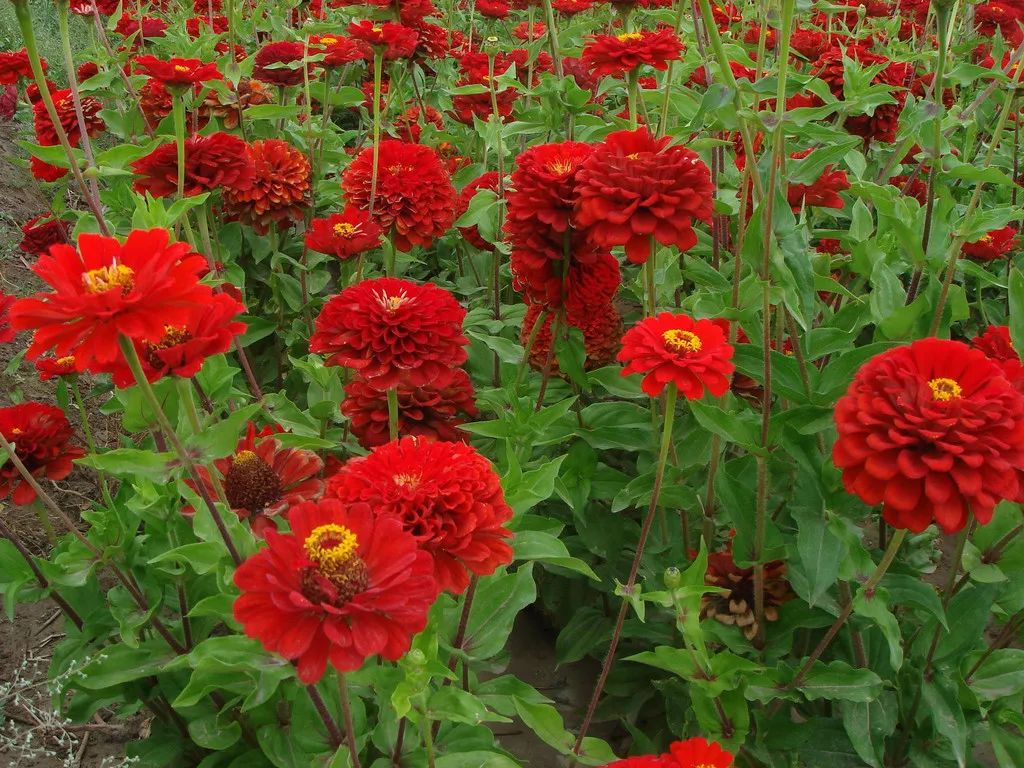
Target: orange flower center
(180, 68)
(67, 361)
(175, 334)
(630, 37)
(343, 229)
(107, 278)
(328, 40)
(945, 390)
(561, 167)
(378, 30)
(679, 340)
(17, 431)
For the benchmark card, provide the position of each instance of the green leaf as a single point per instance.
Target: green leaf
(498, 601)
(585, 631)
(475, 760)
(118, 664)
(209, 733)
(868, 724)
(839, 681)
(534, 487)
(202, 556)
(876, 607)
(547, 724)
(738, 428)
(220, 439)
(1017, 310)
(911, 589)
(1001, 675)
(971, 607)
(945, 712)
(452, 704)
(546, 548)
(820, 552)
(132, 462)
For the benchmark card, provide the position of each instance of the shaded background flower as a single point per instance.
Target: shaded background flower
(41, 437)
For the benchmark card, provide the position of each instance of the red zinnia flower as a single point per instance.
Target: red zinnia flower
(634, 188)
(40, 435)
(337, 51)
(38, 234)
(279, 190)
(148, 27)
(106, 290)
(692, 354)
(392, 331)
(602, 333)
(394, 41)
(997, 244)
(617, 55)
(263, 478)
(14, 66)
(209, 330)
(995, 343)
(53, 367)
(178, 73)
(219, 159)
(823, 192)
(65, 106)
(344, 234)
(6, 332)
(934, 432)
(572, 7)
(445, 494)
(735, 606)
(343, 585)
(432, 411)
(414, 193)
(493, 9)
(692, 753)
(284, 52)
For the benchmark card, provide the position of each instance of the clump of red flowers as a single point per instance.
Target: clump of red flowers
(14, 65)
(106, 290)
(211, 162)
(934, 432)
(343, 585)
(41, 437)
(392, 331)
(693, 355)
(446, 495)
(618, 55)
(635, 188)
(414, 198)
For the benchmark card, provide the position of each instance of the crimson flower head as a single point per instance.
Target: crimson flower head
(55, 367)
(996, 344)
(344, 235)
(392, 331)
(40, 435)
(446, 495)
(178, 73)
(337, 50)
(6, 332)
(393, 41)
(414, 194)
(213, 161)
(288, 55)
(263, 477)
(617, 55)
(40, 233)
(64, 104)
(14, 65)
(694, 355)
(934, 432)
(209, 330)
(277, 193)
(432, 411)
(997, 244)
(105, 290)
(345, 584)
(823, 192)
(635, 188)
(692, 753)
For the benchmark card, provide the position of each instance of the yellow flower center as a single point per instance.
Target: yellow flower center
(378, 30)
(180, 68)
(561, 167)
(945, 389)
(392, 303)
(630, 37)
(16, 431)
(245, 457)
(66, 361)
(343, 229)
(328, 40)
(679, 340)
(985, 239)
(331, 547)
(107, 278)
(406, 480)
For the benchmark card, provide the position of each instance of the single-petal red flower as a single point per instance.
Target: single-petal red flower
(344, 235)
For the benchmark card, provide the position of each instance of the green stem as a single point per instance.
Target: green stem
(378, 65)
(659, 476)
(393, 413)
(681, 6)
(633, 94)
(44, 521)
(131, 357)
(428, 737)
(350, 728)
(652, 289)
(942, 24)
(556, 56)
(528, 349)
(83, 417)
(187, 398)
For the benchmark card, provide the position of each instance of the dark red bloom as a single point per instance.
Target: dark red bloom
(634, 189)
(38, 234)
(694, 355)
(40, 435)
(617, 55)
(345, 584)
(445, 494)
(148, 27)
(493, 9)
(106, 290)
(65, 106)
(823, 192)
(393, 41)
(414, 196)
(407, 124)
(209, 330)
(934, 432)
(178, 73)
(6, 332)
(572, 7)
(432, 411)
(392, 332)
(211, 162)
(997, 244)
(809, 43)
(995, 343)
(344, 235)
(288, 55)
(601, 325)
(14, 66)
(735, 606)
(263, 478)
(279, 190)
